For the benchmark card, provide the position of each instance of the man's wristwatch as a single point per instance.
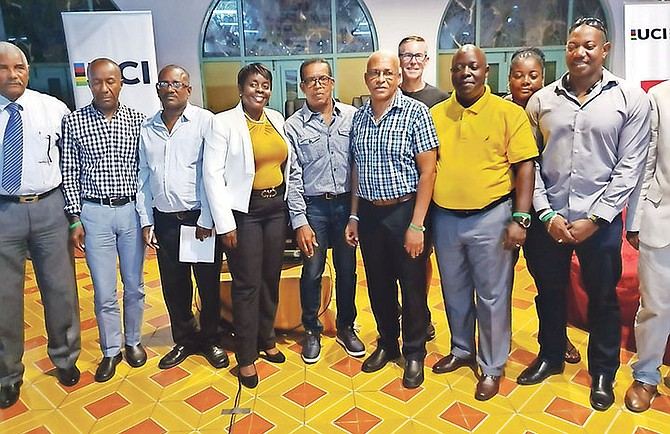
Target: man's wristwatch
(598, 220)
(522, 218)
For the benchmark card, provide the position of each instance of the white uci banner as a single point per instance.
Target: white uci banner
(125, 37)
(647, 43)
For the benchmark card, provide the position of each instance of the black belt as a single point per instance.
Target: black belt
(28, 199)
(330, 196)
(180, 215)
(111, 201)
(471, 212)
(269, 193)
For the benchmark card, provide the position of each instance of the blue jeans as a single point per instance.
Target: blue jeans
(328, 218)
(112, 231)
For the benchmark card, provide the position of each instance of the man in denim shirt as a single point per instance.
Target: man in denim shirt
(319, 204)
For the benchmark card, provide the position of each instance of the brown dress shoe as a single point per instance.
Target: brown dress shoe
(487, 387)
(639, 396)
(450, 363)
(572, 355)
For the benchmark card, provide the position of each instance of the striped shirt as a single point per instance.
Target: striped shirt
(100, 157)
(384, 152)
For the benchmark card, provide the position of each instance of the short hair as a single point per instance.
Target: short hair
(526, 52)
(594, 22)
(9, 48)
(251, 69)
(410, 38)
(312, 61)
(173, 66)
(102, 60)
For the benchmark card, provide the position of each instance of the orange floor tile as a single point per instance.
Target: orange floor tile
(332, 396)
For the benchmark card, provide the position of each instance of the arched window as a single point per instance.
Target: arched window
(37, 28)
(502, 26)
(281, 34)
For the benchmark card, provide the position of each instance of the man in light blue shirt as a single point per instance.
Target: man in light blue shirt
(171, 195)
(592, 129)
(319, 203)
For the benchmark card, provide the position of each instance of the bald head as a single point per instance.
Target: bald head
(14, 71)
(469, 71)
(382, 76)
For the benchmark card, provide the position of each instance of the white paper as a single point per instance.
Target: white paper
(192, 249)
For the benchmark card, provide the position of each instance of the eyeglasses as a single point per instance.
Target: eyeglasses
(312, 81)
(174, 85)
(407, 57)
(376, 73)
(591, 22)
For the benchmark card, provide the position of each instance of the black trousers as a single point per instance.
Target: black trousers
(178, 285)
(255, 266)
(382, 236)
(600, 261)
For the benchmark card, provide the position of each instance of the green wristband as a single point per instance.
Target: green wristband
(521, 214)
(416, 228)
(75, 224)
(548, 217)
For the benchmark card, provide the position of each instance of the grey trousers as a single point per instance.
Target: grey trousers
(40, 228)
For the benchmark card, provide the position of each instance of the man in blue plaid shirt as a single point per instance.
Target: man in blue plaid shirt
(100, 165)
(394, 149)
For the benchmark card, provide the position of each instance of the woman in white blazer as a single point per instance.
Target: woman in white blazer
(245, 171)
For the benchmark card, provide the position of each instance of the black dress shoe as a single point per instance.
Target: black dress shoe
(277, 357)
(250, 382)
(10, 394)
(68, 377)
(413, 376)
(378, 359)
(450, 363)
(136, 356)
(177, 354)
(602, 394)
(216, 356)
(538, 371)
(107, 368)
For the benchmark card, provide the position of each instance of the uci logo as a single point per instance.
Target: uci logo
(131, 72)
(642, 34)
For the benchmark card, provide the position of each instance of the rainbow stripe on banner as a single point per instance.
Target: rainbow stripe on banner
(80, 74)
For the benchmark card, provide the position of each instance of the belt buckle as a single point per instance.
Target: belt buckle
(116, 201)
(330, 196)
(268, 193)
(181, 215)
(29, 199)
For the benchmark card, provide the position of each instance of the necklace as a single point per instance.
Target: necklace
(252, 120)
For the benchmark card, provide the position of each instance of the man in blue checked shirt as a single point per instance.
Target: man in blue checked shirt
(319, 203)
(100, 143)
(394, 147)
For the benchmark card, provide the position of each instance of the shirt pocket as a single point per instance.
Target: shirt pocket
(309, 149)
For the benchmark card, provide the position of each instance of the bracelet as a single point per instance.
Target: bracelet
(551, 220)
(548, 215)
(75, 224)
(354, 217)
(416, 228)
(521, 214)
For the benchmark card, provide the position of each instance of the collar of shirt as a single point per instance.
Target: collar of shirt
(306, 113)
(93, 111)
(607, 81)
(397, 102)
(4, 101)
(478, 106)
(187, 116)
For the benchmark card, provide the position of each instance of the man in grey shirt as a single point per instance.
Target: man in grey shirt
(319, 204)
(592, 129)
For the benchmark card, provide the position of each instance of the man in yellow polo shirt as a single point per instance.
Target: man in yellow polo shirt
(483, 192)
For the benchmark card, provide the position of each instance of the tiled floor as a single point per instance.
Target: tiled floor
(332, 396)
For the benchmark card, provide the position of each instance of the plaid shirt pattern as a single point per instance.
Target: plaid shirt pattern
(100, 157)
(384, 152)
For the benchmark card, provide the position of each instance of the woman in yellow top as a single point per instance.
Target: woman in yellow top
(526, 76)
(245, 167)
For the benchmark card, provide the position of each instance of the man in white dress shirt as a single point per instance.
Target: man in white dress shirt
(32, 221)
(171, 195)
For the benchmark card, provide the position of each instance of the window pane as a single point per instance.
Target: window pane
(286, 27)
(354, 32)
(517, 23)
(222, 36)
(37, 28)
(458, 27)
(588, 8)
